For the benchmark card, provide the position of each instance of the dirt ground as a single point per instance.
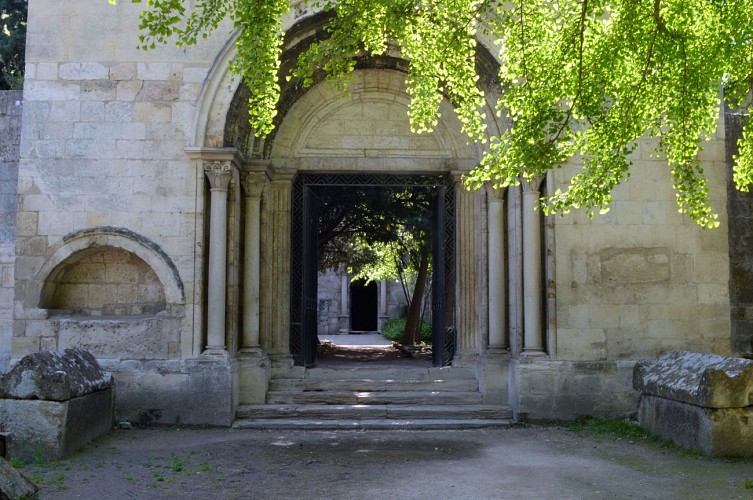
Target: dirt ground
(516, 462)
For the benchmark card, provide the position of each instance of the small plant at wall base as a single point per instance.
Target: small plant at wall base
(393, 330)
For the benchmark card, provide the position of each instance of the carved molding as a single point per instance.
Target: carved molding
(218, 173)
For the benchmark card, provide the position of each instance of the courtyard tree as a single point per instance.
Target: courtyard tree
(380, 234)
(583, 79)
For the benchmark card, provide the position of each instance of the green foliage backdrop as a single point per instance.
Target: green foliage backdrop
(12, 43)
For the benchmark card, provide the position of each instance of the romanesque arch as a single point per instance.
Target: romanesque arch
(319, 131)
(125, 250)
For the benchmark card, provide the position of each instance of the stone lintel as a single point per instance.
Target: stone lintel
(705, 380)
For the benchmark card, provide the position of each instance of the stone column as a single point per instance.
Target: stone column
(533, 311)
(497, 274)
(383, 316)
(343, 319)
(254, 184)
(219, 174)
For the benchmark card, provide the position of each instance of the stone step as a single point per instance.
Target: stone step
(376, 373)
(373, 385)
(375, 397)
(371, 424)
(325, 412)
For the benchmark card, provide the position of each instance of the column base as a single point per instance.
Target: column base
(498, 351)
(465, 360)
(533, 353)
(381, 320)
(494, 376)
(343, 324)
(213, 351)
(253, 351)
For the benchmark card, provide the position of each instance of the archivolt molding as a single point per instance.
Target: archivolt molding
(220, 87)
(116, 237)
(319, 105)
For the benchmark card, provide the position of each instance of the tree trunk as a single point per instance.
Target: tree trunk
(411, 333)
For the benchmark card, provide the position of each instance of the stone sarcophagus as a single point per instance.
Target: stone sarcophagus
(51, 403)
(700, 401)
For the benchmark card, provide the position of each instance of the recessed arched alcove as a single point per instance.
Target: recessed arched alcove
(110, 291)
(103, 281)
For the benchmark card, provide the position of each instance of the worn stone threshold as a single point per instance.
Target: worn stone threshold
(371, 424)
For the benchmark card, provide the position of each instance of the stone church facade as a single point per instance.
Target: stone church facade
(153, 230)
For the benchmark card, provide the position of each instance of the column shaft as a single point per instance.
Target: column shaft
(497, 275)
(253, 185)
(382, 303)
(219, 174)
(532, 288)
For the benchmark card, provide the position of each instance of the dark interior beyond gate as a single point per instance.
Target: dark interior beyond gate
(363, 307)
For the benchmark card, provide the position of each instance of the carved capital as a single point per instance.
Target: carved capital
(254, 184)
(496, 194)
(218, 173)
(533, 184)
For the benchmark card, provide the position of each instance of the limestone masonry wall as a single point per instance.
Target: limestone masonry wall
(10, 136)
(643, 278)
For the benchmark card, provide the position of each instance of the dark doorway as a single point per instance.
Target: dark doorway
(386, 201)
(363, 307)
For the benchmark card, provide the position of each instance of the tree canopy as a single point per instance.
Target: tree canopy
(12, 43)
(380, 233)
(582, 80)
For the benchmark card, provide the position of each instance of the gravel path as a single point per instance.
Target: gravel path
(518, 462)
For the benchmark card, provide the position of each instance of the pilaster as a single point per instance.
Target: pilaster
(467, 275)
(278, 265)
(344, 317)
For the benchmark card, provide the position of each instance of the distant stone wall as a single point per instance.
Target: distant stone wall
(10, 137)
(740, 209)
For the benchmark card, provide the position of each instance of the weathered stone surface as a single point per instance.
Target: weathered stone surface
(54, 376)
(13, 484)
(54, 429)
(715, 431)
(703, 380)
(635, 265)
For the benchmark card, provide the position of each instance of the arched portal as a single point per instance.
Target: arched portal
(363, 132)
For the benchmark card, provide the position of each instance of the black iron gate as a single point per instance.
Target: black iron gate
(303, 268)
